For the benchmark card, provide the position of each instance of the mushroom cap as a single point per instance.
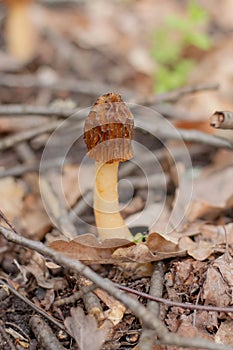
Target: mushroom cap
(108, 130)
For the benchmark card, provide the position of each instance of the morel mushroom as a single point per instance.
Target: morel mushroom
(108, 133)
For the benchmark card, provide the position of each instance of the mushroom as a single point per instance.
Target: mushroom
(107, 134)
(19, 30)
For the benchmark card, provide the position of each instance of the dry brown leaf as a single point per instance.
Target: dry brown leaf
(198, 250)
(212, 193)
(34, 222)
(159, 242)
(84, 330)
(207, 320)
(215, 289)
(187, 329)
(37, 267)
(140, 253)
(216, 233)
(116, 310)
(224, 334)
(11, 198)
(225, 266)
(88, 249)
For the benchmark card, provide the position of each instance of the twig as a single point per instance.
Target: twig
(68, 52)
(46, 111)
(33, 306)
(7, 340)
(63, 2)
(194, 136)
(148, 319)
(177, 94)
(10, 141)
(156, 289)
(49, 185)
(175, 303)
(44, 334)
(89, 88)
(21, 169)
(29, 134)
(75, 296)
(222, 120)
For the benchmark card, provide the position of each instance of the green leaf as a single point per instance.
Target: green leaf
(164, 49)
(200, 40)
(179, 23)
(196, 13)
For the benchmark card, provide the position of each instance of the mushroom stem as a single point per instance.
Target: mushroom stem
(19, 30)
(109, 221)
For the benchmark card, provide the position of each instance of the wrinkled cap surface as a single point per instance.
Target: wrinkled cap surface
(108, 130)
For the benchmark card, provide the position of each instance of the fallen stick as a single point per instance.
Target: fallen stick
(44, 334)
(222, 120)
(149, 320)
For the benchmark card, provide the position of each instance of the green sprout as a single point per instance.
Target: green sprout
(170, 42)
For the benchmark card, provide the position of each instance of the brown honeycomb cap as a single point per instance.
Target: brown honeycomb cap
(108, 130)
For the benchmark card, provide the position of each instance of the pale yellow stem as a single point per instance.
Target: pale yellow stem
(109, 221)
(19, 31)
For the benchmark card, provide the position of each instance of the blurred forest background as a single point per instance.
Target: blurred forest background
(56, 58)
(145, 46)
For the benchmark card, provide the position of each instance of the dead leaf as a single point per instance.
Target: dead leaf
(224, 334)
(216, 233)
(140, 253)
(159, 242)
(198, 250)
(187, 329)
(215, 290)
(116, 310)
(11, 198)
(212, 193)
(84, 330)
(37, 267)
(207, 320)
(225, 266)
(88, 249)
(35, 222)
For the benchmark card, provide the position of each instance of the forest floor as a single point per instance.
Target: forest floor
(175, 195)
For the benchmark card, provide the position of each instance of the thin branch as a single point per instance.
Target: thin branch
(55, 205)
(89, 88)
(97, 88)
(139, 310)
(13, 140)
(194, 136)
(33, 306)
(6, 339)
(175, 303)
(22, 110)
(222, 120)
(75, 296)
(186, 135)
(21, 169)
(62, 2)
(44, 334)
(148, 319)
(175, 95)
(156, 289)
